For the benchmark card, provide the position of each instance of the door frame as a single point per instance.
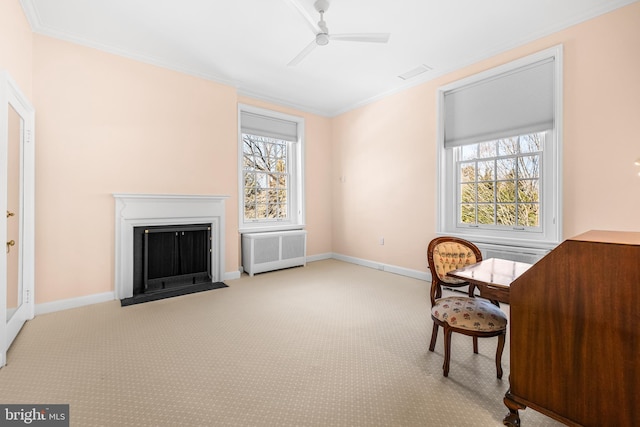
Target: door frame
(10, 94)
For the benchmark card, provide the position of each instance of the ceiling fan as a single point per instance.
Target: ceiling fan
(322, 31)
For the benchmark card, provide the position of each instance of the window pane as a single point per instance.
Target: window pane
(469, 152)
(261, 180)
(487, 149)
(528, 190)
(506, 214)
(468, 193)
(272, 211)
(468, 214)
(529, 167)
(468, 172)
(486, 214)
(282, 209)
(486, 171)
(531, 143)
(528, 214)
(485, 192)
(249, 211)
(506, 168)
(249, 179)
(282, 196)
(508, 146)
(506, 191)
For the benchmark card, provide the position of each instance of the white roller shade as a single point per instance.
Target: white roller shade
(514, 103)
(256, 124)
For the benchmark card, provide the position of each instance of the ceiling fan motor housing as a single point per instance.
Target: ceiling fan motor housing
(322, 39)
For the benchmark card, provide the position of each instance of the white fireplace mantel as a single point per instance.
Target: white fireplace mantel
(140, 210)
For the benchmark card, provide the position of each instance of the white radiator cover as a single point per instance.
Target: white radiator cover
(273, 250)
(513, 253)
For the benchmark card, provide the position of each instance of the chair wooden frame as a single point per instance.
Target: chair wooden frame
(436, 293)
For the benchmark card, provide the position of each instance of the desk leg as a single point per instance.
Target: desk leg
(512, 419)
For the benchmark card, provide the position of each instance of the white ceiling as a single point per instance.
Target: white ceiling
(248, 43)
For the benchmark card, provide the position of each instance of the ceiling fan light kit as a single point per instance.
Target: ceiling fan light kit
(321, 30)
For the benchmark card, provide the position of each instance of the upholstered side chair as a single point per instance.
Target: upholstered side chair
(468, 315)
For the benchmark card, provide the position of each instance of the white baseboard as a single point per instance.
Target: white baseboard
(319, 257)
(416, 274)
(65, 304)
(232, 275)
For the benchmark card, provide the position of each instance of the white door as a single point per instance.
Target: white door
(17, 227)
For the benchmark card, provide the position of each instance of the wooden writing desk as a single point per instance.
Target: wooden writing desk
(492, 276)
(574, 335)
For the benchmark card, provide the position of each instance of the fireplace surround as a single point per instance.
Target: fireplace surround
(149, 210)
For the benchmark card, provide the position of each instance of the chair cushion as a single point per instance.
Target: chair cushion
(449, 256)
(472, 314)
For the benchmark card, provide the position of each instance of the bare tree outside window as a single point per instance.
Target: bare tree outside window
(266, 178)
(499, 182)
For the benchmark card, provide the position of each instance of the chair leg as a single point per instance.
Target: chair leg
(475, 345)
(434, 337)
(447, 351)
(501, 339)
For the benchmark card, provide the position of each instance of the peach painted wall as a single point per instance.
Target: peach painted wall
(105, 125)
(16, 58)
(16, 50)
(108, 124)
(370, 173)
(384, 154)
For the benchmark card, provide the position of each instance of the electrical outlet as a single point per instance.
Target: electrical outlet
(381, 241)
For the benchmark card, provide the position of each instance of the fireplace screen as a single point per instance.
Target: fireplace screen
(172, 256)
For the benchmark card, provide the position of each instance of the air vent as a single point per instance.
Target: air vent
(415, 72)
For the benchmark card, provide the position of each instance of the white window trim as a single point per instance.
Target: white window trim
(551, 182)
(296, 217)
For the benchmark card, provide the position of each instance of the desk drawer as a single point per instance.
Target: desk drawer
(494, 293)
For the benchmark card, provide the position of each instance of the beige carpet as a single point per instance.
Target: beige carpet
(329, 344)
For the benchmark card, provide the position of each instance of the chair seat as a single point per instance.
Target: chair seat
(471, 314)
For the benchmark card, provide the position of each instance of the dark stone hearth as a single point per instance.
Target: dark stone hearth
(174, 292)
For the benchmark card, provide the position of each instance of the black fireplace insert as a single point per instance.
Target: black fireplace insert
(166, 257)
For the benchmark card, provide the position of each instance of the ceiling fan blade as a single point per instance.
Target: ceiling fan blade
(303, 12)
(306, 51)
(363, 37)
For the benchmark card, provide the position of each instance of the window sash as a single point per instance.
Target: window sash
(267, 198)
(472, 201)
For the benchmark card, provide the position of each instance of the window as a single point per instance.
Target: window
(499, 183)
(266, 177)
(499, 145)
(270, 177)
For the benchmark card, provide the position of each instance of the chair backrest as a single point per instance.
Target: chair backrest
(445, 254)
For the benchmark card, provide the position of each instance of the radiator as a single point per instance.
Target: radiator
(273, 250)
(513, 253)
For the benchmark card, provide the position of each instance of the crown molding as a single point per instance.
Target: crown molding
(37, 26)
